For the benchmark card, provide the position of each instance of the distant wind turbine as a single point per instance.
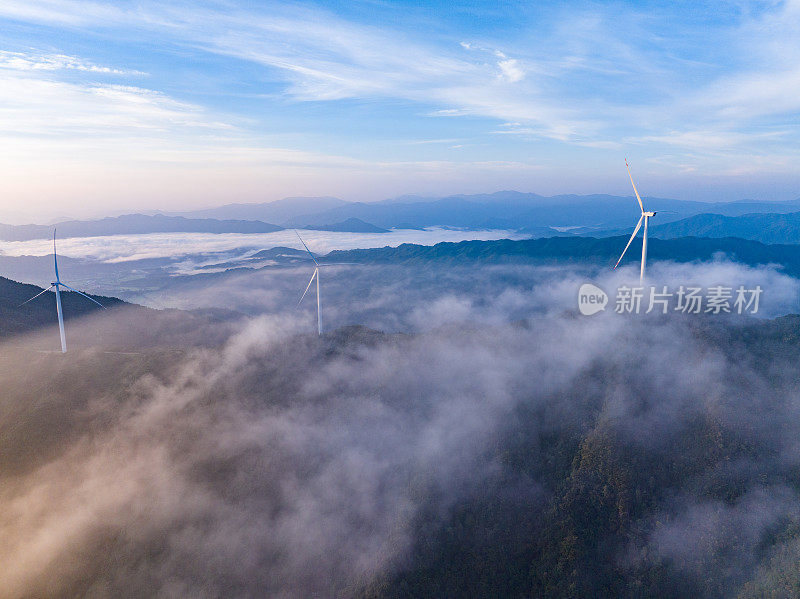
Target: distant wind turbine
(57, 285)
(315, 275)
(644, 217)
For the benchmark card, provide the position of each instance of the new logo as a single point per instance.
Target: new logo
(591, 299)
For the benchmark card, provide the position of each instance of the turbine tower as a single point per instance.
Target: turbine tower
(644, 217)
(313, 276)
(57, 285)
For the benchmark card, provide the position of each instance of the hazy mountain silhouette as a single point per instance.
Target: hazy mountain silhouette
(597, 214)
(278, 211)
(350, 225)
(133, 224)
(515, 210)
(767, 228)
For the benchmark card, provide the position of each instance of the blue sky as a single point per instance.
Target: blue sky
(109, 106)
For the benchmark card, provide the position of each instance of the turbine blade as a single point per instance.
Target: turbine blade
(307, 287)
(55, 255)
(634, 185)
(35, 296)
(84, 295)
(635, 231)
(305, 246)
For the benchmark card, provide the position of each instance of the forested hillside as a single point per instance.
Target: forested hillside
(580, 250)
(16, 318)
(650, 503)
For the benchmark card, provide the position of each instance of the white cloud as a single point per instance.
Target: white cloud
(32, 105)
(711, 139)
(64, 12)
(30, 61)
(512, 70)
(326, 58)
(746, 96)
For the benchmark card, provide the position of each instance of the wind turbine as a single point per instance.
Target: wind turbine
(317, 266)
(644, 217)
(57, 285)
(313, 276)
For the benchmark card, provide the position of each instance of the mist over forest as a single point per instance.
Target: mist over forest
(478, 437)
(424, 294)
(549, 343)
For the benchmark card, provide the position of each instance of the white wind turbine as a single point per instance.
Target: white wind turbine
(313, 276)
(644, 217)
(317, 266)
(57, 285)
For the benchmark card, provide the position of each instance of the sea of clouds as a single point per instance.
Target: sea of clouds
(127, 248)
(248, 458)
(414, 298)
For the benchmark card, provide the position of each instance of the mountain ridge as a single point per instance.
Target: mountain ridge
(764, 227)
(574, 249)
(518, 210)
(350, 225)
(133, 224)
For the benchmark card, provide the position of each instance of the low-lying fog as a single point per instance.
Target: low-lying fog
(404, 298)
(126, 248)
(585, 453)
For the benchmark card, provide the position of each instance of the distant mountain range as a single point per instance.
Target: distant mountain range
(279, 211)
(538, 216)
(133, 224)
(140, 224)
(580, 249)
(522, 211)
(513, 210)
(350, 225)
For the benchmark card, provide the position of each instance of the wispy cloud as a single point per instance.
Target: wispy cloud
(48, 107)
(63, 12)
(710, 140)
(511, 69)
(326, 58)
(707, 91)
(31, 61)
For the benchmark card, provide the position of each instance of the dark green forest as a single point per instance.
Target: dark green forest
(579, 250)
(566, 507)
